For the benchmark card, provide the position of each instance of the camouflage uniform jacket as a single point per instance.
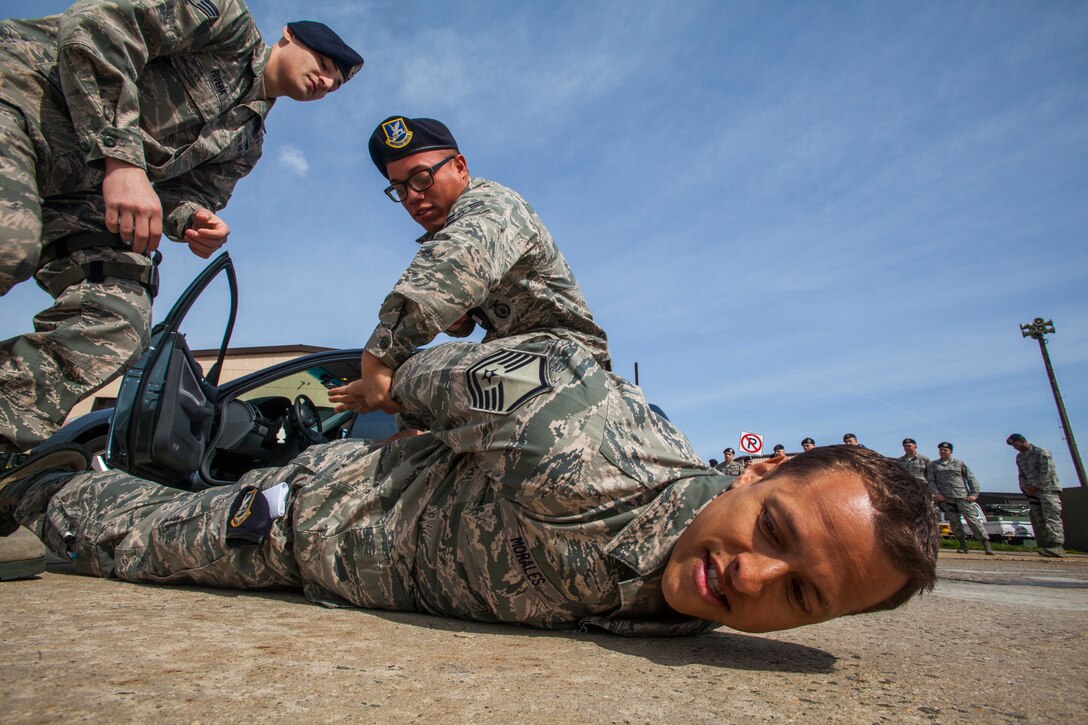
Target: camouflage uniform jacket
(915, 465)
(952, 478)
(494, 259)
(173, 87)
(558, 511)
(1036, 468)
(733, 468)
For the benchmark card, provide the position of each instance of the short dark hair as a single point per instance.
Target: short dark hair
(1015, 438)
(848, 435)
(906, 517)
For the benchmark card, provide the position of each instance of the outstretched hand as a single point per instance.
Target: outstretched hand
(371, 392)
(133, 209)
(206, 233)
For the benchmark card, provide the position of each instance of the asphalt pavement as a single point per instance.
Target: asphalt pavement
(1001, 640)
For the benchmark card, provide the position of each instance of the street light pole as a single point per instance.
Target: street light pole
(1037, 329)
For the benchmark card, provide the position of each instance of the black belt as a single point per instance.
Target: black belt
(98, 271)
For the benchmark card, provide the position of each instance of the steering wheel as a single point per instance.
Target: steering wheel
(306, 420)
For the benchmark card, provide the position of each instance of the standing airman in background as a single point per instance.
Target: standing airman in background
(911, 461)
(1039, 482)
(956, 490)
(120, 122)
(729, 466)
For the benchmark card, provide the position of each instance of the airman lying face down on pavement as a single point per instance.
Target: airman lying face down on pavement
(564, 502)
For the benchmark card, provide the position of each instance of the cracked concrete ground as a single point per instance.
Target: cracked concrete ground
(1001, 640)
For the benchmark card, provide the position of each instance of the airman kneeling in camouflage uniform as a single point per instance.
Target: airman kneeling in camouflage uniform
(486, 259)
(119, 122)
(545, 492)
(1039, 481)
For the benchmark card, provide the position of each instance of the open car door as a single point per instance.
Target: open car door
(162, 422)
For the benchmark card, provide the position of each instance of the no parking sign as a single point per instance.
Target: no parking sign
(751, 443)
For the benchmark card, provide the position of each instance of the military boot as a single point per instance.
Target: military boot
(21, 555)
(43, 474)
(963, 545)
(986, 546)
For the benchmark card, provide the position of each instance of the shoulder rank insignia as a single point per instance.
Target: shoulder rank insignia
(505, 380)
(397, 135)
(207, 7)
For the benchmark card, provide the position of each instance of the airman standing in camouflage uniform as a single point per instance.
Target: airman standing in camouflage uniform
(119, 122)
(545, 492)
(1039, 482)
(912, 462)
(956, 489)
(729, 466)
(486, 259)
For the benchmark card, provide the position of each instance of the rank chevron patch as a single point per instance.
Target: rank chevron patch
(505, 380)
(207, 7)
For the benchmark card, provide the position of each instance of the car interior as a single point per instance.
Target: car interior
(271, 423)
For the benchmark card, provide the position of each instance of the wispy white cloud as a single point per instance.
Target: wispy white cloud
(294, 160)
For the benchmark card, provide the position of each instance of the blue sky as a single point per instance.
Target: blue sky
(798, 218)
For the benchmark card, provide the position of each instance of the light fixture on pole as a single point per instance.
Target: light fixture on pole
(1038, 329)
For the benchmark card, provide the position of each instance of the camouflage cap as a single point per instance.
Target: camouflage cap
(397, 137)
(320, 38)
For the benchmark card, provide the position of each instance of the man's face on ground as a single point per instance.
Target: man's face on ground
(781, 553)
(910, 448)
(431, 206)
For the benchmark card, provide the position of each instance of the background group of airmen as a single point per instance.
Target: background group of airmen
(956, 489)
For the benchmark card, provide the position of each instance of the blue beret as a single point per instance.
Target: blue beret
(945, 444)
(397, 137)
(320, 38)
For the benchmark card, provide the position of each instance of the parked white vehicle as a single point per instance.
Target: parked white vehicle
(1008, 529)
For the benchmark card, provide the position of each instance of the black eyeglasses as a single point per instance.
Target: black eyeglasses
(419, 181)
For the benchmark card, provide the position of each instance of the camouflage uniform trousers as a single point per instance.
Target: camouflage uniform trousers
(92, 331)
(954, 508)
(116, 525)
(1045, 512)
